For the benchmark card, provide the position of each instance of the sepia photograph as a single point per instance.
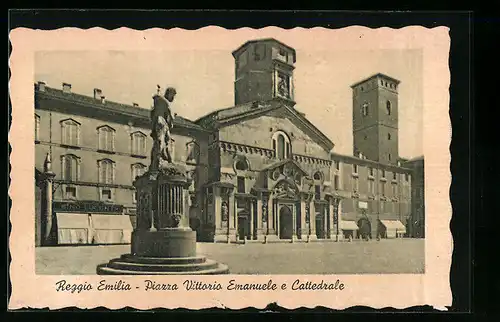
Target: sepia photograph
(214, 161)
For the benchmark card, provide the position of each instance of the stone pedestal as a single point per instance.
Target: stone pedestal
(162, 243)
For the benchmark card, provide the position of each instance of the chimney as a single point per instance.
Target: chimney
(135, 104)
(41, 86)
(66, 88)
(97, 93)
(103, 99)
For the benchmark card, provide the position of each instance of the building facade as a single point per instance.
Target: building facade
(97, 149)
(261, 171)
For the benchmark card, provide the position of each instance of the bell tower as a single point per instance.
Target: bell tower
(263, 71)
(375, 118)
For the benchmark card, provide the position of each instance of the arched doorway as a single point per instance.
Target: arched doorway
(286, 223)
(365, 228)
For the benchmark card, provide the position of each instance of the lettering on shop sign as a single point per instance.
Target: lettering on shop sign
(86, 207)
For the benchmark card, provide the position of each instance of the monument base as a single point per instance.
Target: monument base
(169, 251)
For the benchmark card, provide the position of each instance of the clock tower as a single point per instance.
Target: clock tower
(375, 118)
(263, 71)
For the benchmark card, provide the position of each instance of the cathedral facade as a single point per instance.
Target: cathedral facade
(261, 171)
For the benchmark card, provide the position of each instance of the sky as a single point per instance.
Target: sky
(202, 71)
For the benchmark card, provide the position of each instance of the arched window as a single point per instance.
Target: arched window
(364, 109)
(318, 176)
(106, 169)
(388, 107)
(70, 165)
(138, 140)
(192, 152)
(138, 169)
(70, 132)
(106, 138)
(388, 136)
(241, 164)
(281, 145)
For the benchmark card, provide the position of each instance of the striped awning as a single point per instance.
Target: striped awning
(348, 225)
(394, 225)
(72, 221)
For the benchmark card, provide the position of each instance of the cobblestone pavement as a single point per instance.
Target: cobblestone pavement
(357, 257)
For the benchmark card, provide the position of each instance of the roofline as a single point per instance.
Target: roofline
(263, 40)
(334, 156)
(377, 75)
(138, 109)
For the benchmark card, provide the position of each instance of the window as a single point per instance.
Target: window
(258, 52)
(388, 107)
(70, 132)
(354, 168)
(106, 194)
(37, 127)
(317, 176)
(382, 188)
(241, 185)
(138, 143)
(241, 164)
(138, 169)
(389, 157)
(281, 145)
(106, 171)
(371, 187)
(106, 138)
(394, 190)
(389, 136)
(70, 165)
(406, 177)
(337, 165)
(383, 173)
(70, 192)
(134, 196)
(355, 184)
(336, 182)
(370, 171)
(394, 176)
(192, 152)
(317, 192)
(364, 109)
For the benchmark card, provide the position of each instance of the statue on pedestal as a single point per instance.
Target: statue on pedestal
(162, 121)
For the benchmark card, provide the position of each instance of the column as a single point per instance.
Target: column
(330, 226)
(47, 215)
(277, 215)
(312, 219)
(303, 225)
(232, 217)
(338, 232)
(251, 219)
(294, 222)
(220, 234)
(259, 232)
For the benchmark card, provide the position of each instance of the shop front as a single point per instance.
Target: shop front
(90, 223)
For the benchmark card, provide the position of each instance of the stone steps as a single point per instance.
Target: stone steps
(148, 267)
(105, 270)
(163, 260)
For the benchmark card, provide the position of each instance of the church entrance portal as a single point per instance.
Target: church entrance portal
(286, 223)
(243, 227)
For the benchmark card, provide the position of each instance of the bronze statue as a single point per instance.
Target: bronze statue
(162, 122)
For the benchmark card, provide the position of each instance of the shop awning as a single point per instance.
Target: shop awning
(73, 228)
(348, 225)
(394, 225)
(111, 229)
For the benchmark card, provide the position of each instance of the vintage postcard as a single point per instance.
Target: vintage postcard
(230, 168)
